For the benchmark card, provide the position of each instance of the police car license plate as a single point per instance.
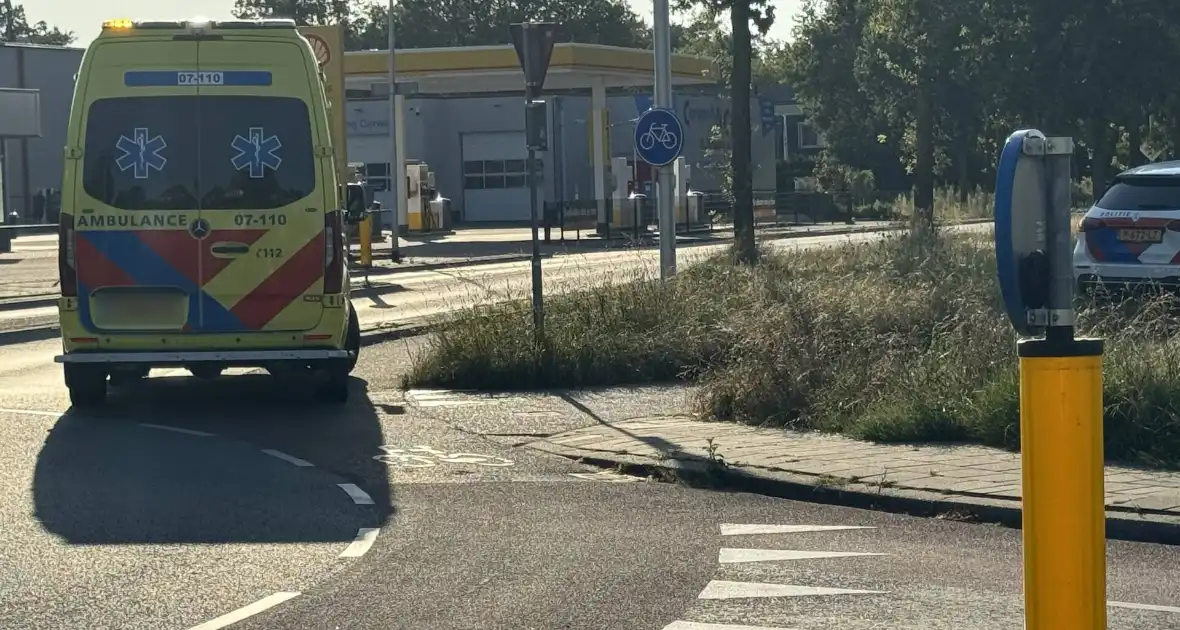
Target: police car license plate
(1140, 235)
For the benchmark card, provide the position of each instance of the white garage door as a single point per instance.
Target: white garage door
(495, 183)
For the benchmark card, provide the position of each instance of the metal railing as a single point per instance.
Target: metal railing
(637, 218)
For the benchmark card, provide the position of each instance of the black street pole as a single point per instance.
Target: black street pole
(538, 304)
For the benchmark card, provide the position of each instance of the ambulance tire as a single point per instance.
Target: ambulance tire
(334, 388)
(352, 339)
(87, 385)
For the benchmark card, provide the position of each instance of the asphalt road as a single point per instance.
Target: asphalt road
(416, 296)
(237, 507)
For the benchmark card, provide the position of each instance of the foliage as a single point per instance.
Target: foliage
(15, 27)
(933, 88)
(443, 23)
(901, 339)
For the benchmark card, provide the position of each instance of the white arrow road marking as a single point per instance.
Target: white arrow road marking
(365, 537)
(607, 476)
(722, 589)
(1167, 609)
(359, 497)
(732, 529)
(162, 427)
(247, 611)
(729, 556)
(290, 459)
(692, 625)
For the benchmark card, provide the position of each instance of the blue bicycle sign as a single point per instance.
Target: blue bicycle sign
(658, 133)
(659, 137)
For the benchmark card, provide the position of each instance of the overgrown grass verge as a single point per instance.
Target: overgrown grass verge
(899, 340)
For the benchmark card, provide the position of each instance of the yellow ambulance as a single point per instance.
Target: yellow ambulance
(201, 223)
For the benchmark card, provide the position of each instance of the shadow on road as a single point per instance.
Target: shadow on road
(104, 478)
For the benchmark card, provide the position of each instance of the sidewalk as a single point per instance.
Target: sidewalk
(973, 479)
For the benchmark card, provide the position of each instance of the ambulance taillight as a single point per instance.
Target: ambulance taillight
(333, 253)
(67, 273)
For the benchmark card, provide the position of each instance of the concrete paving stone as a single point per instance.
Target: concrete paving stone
(1011, 490)
(1152, 502)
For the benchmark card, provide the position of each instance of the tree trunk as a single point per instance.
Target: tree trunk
(924, 167)
(964, 164)
(745, 250)
(1135, 157)
(1101, 151)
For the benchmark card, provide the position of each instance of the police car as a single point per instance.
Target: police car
(1132, 235)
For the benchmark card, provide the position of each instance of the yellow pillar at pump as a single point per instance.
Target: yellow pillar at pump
(1063, 508)
(365, 234)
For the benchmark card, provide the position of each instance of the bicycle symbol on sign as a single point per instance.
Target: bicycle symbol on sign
(658, 133)
(427, 457)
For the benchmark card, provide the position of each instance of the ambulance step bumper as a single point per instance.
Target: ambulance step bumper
(250, 357)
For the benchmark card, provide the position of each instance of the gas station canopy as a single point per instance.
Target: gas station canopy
(482, 69)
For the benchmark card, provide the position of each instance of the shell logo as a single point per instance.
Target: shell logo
(319, 46)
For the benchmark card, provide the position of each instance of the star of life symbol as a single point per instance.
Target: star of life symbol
(141, 152)
(257, 153)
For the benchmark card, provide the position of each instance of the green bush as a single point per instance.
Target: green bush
(899, 340)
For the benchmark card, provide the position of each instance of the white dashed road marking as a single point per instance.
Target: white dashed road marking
(358, 496)
(247, 611)
(162, 427)
(365, 537)
(1152, 607)
(745, 529)
(692, 625)
(723, 589)
(729, 556)
(290, 459)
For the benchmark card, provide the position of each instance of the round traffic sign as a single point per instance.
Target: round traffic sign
(659, 137)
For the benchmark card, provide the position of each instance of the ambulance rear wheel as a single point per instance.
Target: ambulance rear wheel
(87, 385)
(334, 388)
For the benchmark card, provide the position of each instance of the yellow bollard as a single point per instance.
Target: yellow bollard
(365, 234)
(1064, 514)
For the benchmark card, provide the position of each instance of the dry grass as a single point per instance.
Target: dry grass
(897, 340)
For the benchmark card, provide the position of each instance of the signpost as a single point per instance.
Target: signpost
(659, 140)
(662, 97)
(396, 172)
(534, 47)
(1060, 389)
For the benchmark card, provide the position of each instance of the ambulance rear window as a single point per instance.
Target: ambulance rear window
(206, 152)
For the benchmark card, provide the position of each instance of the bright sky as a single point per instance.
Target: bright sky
(84, 17)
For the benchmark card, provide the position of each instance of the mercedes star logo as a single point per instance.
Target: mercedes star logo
(199, 229)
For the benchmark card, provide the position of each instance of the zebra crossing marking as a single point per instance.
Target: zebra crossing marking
(725, 589)
(731, 556)
(693, 625)
(746, 529)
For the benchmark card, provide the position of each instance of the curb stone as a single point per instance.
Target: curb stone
(699, 472)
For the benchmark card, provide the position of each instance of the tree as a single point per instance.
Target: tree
(741, 14)
(445, 23)
(15, 27)
(304, 12)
